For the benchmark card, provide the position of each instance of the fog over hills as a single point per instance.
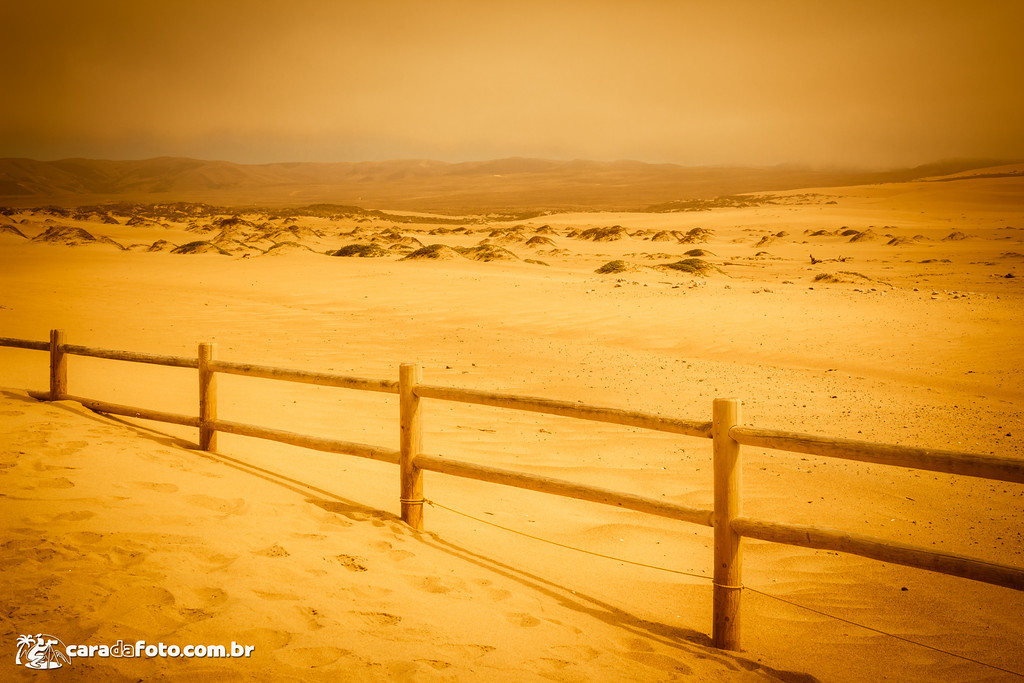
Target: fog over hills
(417, 185)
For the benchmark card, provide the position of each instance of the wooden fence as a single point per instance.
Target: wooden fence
(725, 429)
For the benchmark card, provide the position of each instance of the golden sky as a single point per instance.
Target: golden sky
(763, 82)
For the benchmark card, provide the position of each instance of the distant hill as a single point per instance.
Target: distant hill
(505, 185)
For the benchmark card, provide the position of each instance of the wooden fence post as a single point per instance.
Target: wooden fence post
(207, 398)
(58, 366)
(728, 575)
(411, 444)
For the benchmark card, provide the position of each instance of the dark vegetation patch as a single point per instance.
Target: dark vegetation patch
(433, 252)
(362, 251)
(72, 237)
(12, 230)
(612, 267)
(287, 247)
(615, 232)
(693, 266)
(487, 252)
(200, 247)
(695, 236)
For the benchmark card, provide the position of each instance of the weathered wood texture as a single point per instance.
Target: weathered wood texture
(563, 488)
(728, 552)
(25, 344)
(312, 442)
(58, 366)
(580, 411)
(131, 411)
(411, 444)
(884, 550)
(951, 462)
(131, 356)
(320, 378)
(207, 398)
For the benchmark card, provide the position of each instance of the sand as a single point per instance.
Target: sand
(121, 529)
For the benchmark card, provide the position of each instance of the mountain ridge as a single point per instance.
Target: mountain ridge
(512, 183)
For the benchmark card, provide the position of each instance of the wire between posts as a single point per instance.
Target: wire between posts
(562, 545)
(708, 578)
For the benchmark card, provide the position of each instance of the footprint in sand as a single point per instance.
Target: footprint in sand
(471, 651)
(214, 561)
(276, 596)
(72, 447)
(40, 466)
(235, 506)
(156, 486)
(522, 619)
(350, 562)
(273, 551)
(393, 554)
(57, 483)
(312, 617)
(436, 584)
(575, 653)
(73, 516)
(642, 652)
(84, 537)
(207, 597)
(308, 657)
(122, 557)
(496, 594)
(131, 598)
(379, 618)
(265, 639)
(19, 545)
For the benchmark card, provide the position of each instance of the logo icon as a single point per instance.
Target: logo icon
(41, 652)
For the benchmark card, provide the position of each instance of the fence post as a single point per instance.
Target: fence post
(728, 579)
(58, 366)
(411, 444)
(207, 398)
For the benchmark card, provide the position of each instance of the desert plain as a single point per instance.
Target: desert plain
(889, 312)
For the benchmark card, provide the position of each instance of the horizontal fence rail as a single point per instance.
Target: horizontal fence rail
(131, 356)
(563, 488)
(883, 550)
(24, 344)
(724, 429)
(579, 411)
(312, 442)
(949, 462)
(322, 379)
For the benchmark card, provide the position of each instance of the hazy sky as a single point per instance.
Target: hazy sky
(824, 82)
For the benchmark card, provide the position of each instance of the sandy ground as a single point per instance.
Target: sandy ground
(120, 529)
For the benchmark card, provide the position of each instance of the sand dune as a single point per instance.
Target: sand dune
(501, 185)
(122, 530)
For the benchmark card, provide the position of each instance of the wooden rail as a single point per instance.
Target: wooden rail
(579, 411)
(725, 429)
(564, 488)
(949, 462)
(877, 549)
(322, 379)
